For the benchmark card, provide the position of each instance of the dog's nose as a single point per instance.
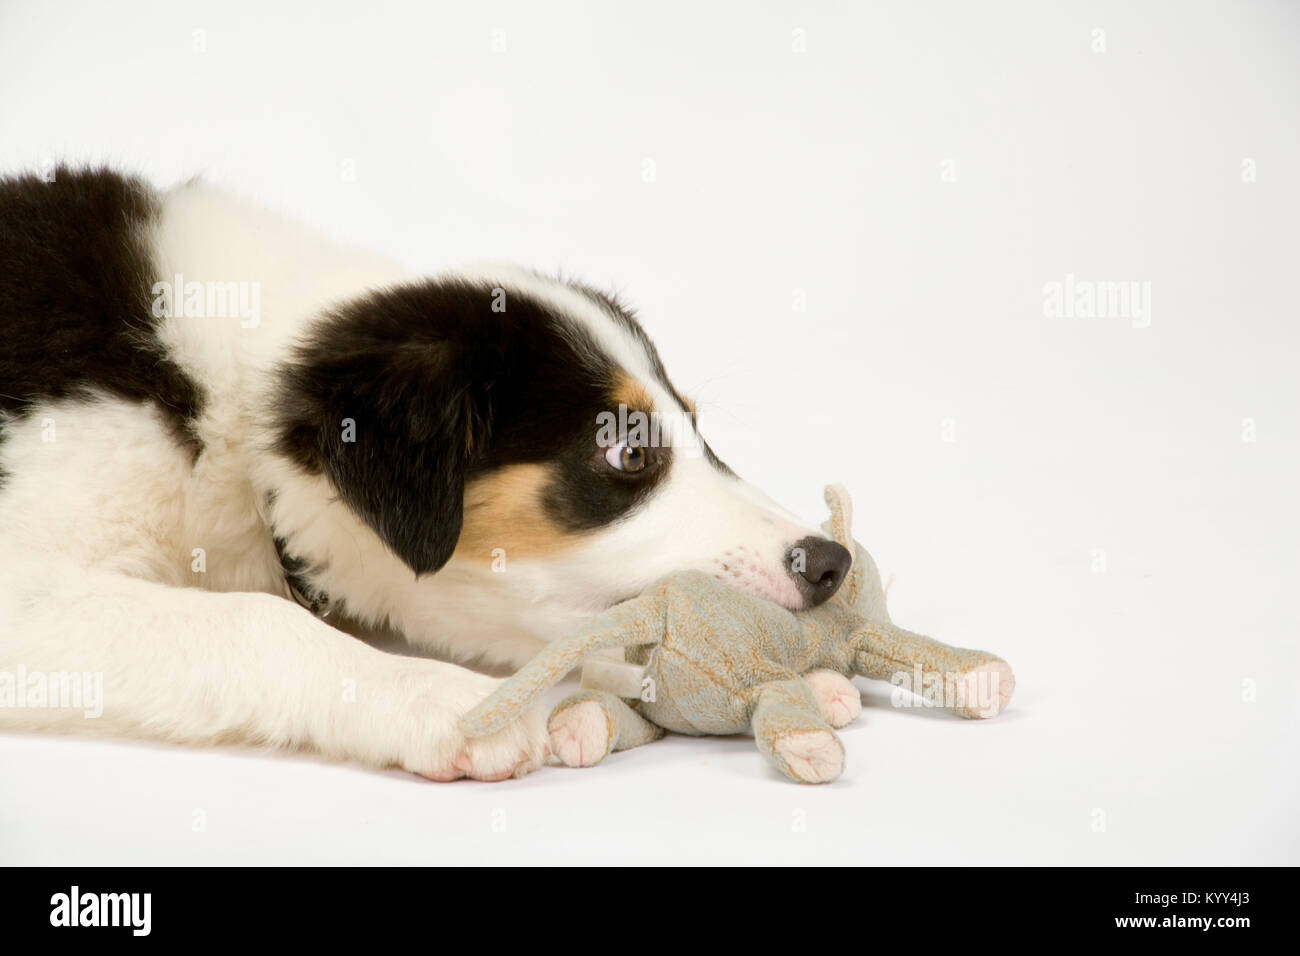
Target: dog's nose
(819, 565)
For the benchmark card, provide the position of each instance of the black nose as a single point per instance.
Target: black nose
(818, 566)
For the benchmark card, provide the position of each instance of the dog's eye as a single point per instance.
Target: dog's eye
(626, 457)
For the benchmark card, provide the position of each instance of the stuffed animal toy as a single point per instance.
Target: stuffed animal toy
(702, 658)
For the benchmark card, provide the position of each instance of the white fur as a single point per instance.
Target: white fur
(103, 518)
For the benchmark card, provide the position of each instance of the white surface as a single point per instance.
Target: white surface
(820, 171)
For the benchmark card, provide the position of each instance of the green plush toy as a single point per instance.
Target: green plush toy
(698, 657)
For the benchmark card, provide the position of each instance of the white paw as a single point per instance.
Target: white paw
(580, 734)
(836, 695)
(517, 750)
(411, 719)
(815, 756)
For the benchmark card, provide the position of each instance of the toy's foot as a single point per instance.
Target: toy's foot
(987, 690)
(581, 734)
(815, 756)
(837, 696)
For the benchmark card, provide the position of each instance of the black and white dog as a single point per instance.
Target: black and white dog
(220, 433)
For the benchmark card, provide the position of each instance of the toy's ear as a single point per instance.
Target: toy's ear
(840, 526)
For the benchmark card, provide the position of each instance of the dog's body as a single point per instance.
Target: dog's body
(417, 454)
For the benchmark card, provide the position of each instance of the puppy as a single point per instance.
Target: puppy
(221, 434)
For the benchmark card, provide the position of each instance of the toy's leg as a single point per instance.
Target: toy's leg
(789, 729)
(638, 621)
(587, 726)
(836, 696)
(968, 682)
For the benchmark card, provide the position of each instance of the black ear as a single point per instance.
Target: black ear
(392, 426)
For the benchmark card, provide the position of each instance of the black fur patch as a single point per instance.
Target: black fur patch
(75, 300)
(440, 388)
(297, 573)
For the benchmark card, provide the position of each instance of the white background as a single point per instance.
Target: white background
(1157, 708)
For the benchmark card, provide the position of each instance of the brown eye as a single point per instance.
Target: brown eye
(626, 457)
(632, 458)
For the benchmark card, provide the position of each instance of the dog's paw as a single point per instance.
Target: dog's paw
(837, 696)
(580, 733)
(813, 756)
(429, 703)
(512, 752)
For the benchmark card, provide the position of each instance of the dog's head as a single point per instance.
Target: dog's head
(501, 417)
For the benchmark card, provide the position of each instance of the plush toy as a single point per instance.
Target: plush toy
(699, 657)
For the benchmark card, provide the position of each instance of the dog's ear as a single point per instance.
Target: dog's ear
(393, 430)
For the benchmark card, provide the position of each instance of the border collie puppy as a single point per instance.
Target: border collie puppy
(221, 433)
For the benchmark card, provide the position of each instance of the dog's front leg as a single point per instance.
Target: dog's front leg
(193, 666)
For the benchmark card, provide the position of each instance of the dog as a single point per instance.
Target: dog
(221, 434)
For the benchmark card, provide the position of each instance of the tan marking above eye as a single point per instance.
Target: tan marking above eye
(504, 510)
(628, 391)
(631, 393)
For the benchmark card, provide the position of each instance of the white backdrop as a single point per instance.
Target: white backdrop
(841, 223)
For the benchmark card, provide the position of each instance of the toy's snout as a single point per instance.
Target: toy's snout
(818, 566)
